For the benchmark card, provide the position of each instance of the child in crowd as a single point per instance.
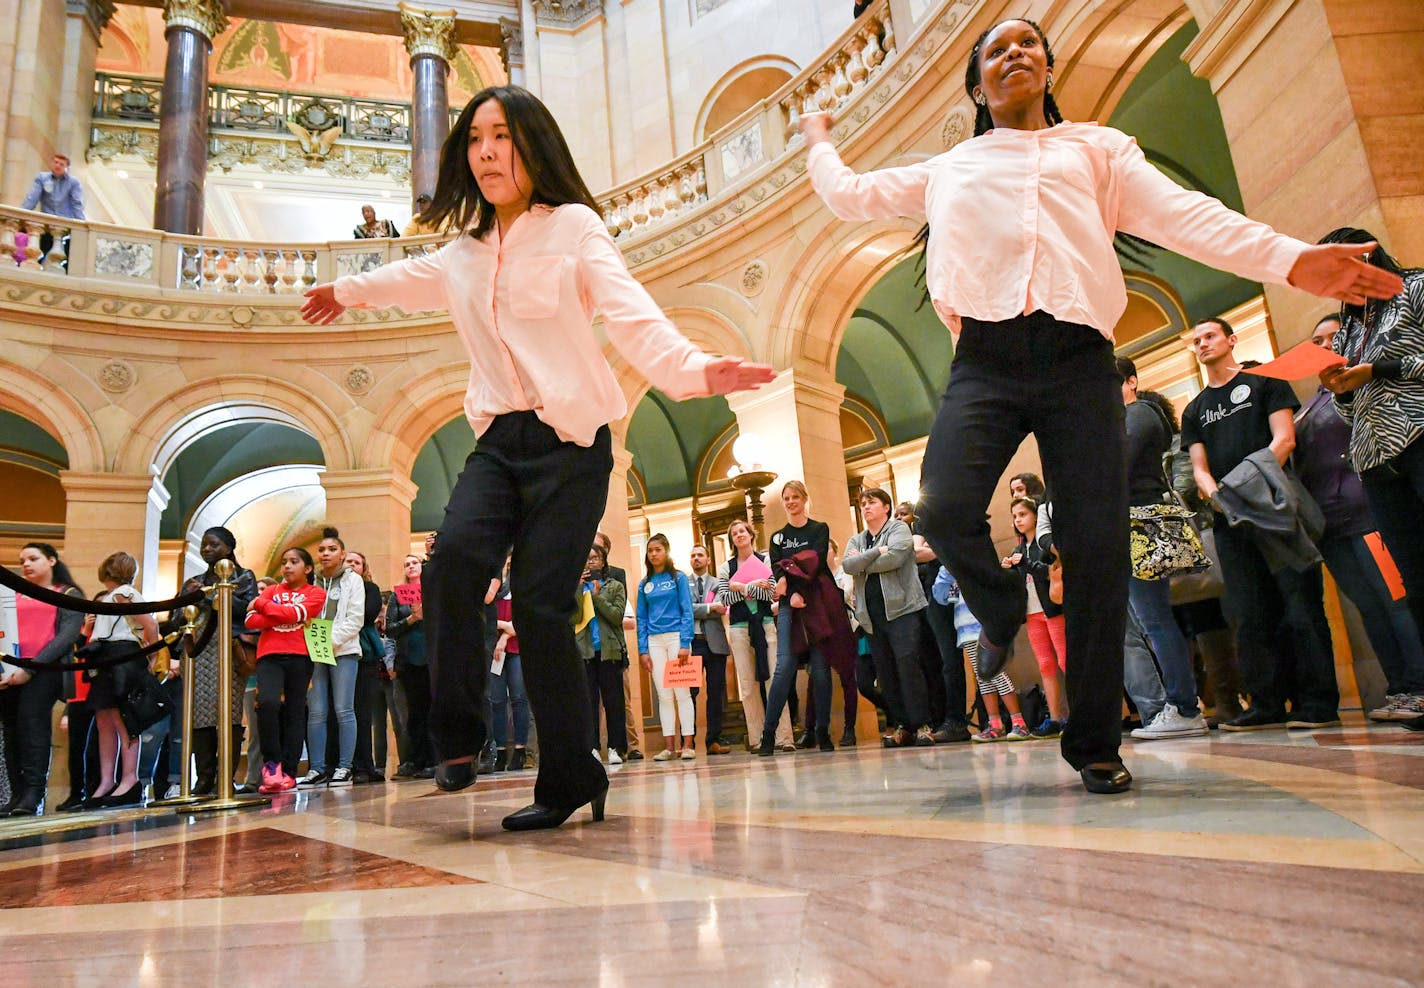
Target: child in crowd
(1046, 626)
(999, 689)
(284, 666)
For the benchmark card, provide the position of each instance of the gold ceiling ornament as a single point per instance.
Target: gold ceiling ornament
(207, 17)
(428, 32)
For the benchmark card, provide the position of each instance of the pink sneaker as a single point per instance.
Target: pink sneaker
(288, 783)
(272, 779)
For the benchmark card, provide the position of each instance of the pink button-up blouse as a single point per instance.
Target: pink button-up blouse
(1023, 220)
(524, 308)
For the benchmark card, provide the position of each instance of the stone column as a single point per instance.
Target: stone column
(511, 48)
(104, 512)
(372, 509)
(1319, 131)
(430, 39)
(183, 116)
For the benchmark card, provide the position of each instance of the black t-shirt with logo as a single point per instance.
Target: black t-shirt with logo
(1234, 420)
(790, 539)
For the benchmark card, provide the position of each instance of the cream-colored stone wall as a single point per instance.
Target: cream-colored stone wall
(35, 84)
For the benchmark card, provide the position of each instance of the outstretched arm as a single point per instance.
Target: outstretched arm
(415, 285)
(879, 195)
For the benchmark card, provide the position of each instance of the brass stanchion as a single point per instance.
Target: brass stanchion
(223, 601)
(185, 795)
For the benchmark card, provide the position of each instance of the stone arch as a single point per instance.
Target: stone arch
(742, 87)
(249, 398)
(1101, 46)
(709, 329)
(841, 264)
(32, 396)
(408, 420)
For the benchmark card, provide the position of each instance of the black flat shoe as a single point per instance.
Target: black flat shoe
(73, 803)
(537, 817)
(1106, 781)
(452, 777)
(134, 797)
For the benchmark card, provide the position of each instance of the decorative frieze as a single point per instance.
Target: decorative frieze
(428, 32)
(207, 17)
(567, 13)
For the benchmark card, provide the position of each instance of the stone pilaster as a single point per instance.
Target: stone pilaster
(372, 509)
(106, 512)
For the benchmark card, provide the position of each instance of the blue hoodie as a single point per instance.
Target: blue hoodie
(664, 605)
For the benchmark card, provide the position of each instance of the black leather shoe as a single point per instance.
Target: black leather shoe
(823, 741)
(806, 740)
(848, 739)
(454, 776)
(73, 803)
(991, 658)
(537, 817)
(767, 748)
(1106, 781)
(28, 803)
(134, 797)
(1417, 724)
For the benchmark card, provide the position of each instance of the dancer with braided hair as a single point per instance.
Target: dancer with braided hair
(1019, 263)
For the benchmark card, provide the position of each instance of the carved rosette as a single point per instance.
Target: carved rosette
(754, 279)
(957, 127)
(207, 17)
(360, 380)
(428, 32)
(116, 377)
(567, 13)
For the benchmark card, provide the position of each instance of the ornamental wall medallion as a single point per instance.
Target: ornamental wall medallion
(360, 380)
(116, 377)
(754, 279)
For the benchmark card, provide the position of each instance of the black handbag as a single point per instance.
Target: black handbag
(143, 703)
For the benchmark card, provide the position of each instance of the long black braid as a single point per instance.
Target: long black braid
(983, 123)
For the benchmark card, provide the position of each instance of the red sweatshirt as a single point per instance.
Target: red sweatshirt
(281, 614)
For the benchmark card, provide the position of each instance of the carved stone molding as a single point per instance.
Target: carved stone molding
(360, 380)
(958, 126)
(511, 42)
(96, 13)
(428, 32)
(116, 377)
(567, 13)
(207, 17)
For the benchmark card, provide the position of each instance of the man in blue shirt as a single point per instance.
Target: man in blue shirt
(58, 193)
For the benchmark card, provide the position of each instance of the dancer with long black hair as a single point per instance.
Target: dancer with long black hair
(1019, 262)
(522, 287)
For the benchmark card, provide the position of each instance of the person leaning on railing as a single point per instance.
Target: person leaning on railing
(58, 193)
(47, 635)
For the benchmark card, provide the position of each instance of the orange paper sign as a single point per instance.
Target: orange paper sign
(1299, 362)
(677, 676)
(1387, 569)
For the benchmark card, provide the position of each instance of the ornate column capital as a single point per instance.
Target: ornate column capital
(511, 43)
(95, 12)
(207, 17)
(428, 32)
(567, 13)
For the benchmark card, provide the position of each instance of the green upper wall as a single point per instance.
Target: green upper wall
(1175, 118)
(437, 466)
(19, 433)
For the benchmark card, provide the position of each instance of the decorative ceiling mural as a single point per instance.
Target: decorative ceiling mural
(271, 55)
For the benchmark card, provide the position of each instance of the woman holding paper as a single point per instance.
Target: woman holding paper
(282, 613)
(664, 636)
(745, 588)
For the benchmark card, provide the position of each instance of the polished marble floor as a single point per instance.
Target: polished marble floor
(1263, 860)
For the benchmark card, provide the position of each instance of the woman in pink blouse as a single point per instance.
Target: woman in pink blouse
(522, 287)
(1019, 263)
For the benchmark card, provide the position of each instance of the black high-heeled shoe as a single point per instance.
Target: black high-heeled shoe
(537, 817)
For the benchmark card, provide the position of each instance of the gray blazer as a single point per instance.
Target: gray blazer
(704, 622)
(899, 578)
(1269, 503)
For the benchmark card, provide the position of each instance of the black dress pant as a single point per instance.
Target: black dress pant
(368, 683)
(945, 640)
(1034, 374)
(282, 682)
(714, 667)
(83, 748)
(605, 689)
(1395, 491)
(522, 488)
(26, 711)
(415, 684)
(895, 647)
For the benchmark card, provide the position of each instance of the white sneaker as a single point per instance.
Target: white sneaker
(613, 757)
(173, 791)
(666, 755)
(1169, 723)
(1399, 706)
(688, 754)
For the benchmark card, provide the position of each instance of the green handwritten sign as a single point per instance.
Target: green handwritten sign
(318, 635)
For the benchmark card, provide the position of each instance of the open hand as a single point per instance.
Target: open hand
(816, 127)
(798, 601)
(321, 307)
(684, 656)
(1336, 271)
(728, 374)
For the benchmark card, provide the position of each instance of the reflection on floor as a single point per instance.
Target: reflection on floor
(1281, 860)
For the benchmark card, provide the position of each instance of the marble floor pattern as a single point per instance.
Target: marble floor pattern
(1267, 859)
